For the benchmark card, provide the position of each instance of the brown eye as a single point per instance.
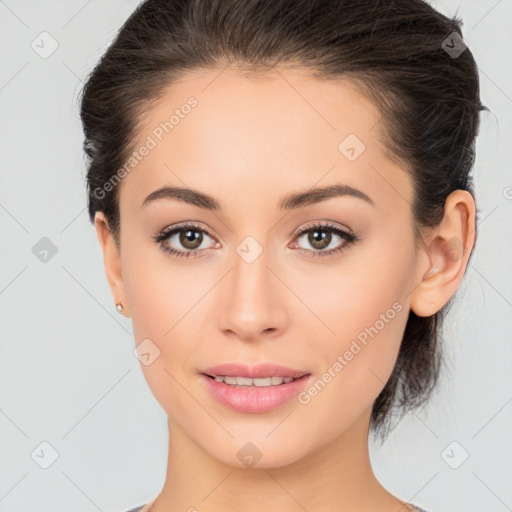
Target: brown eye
(190, 238)
(319, 238)
(183, 241)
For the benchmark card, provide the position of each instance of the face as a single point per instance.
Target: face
(319, 286)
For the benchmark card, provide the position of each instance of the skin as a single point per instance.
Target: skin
(248, 143)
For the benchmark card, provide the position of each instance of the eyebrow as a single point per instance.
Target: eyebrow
(290, 202)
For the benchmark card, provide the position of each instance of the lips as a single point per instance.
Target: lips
(259, 371)
(254, 399)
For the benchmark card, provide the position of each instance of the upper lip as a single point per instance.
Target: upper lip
(254, 372)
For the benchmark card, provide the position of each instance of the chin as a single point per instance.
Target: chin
(256, 452)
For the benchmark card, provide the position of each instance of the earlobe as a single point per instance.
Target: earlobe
(111, 259)
(447, 252)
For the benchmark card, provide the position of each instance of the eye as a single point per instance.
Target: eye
(320, 236)
(190, 237)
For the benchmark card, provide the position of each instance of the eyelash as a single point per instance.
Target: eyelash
(349, 237)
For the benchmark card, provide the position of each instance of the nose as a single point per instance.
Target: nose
(252, 300)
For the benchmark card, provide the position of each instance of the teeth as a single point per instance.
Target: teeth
(245, 381)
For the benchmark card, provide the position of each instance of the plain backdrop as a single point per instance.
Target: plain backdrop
(72, 394)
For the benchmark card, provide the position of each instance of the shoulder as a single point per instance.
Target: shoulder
(142, 508)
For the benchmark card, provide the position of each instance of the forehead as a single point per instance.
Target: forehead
(228, 133)
(289, 104)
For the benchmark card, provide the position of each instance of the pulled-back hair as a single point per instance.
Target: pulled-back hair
(402, 54)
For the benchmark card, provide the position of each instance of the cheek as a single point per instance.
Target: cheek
(167, 306)
(353, 367)
(364, 306)
(158, 319)
(368, 295)
(158, 291)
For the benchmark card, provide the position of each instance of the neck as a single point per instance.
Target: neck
(338, 476)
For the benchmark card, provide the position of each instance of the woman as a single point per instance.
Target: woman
(282, 195)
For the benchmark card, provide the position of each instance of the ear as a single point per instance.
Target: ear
(111, 260)
(445, 255)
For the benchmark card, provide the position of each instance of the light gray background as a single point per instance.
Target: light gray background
(67, 372)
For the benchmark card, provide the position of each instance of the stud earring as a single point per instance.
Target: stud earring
(120, 308)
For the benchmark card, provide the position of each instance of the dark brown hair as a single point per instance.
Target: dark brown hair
(397, 52)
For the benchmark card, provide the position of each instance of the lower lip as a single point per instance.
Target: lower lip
(252, 398)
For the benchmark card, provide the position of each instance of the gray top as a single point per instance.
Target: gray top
(138, 509)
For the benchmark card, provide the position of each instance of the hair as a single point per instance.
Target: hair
(394, 52)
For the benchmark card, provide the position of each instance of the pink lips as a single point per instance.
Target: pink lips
(251, 398)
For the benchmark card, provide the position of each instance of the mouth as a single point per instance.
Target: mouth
(262, 382)
(255, 394)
